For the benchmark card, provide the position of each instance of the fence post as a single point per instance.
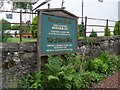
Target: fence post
(20, 26)
(119, 27)
(85, 27)
(106, 30)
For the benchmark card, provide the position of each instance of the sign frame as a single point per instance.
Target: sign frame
(41, 32)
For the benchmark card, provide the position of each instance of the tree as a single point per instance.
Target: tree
(93, 34)
(22, 5)
(3, 27)
(107, 33)
(5, 24)
(34, 27)
(116, 29)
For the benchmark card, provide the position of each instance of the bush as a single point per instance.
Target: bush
(34, 27)
(105, 64)
(111, 60)
(32, 80)
(71, 72)
(60, 72)
(116, 29)
(66, 73)
(3, 28)
(93, 34)
(81, 29)
(107, 33)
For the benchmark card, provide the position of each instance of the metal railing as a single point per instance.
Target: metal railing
(107, 26)
(86, 25)
(20, 23)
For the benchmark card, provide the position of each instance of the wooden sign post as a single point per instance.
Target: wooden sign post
(57, 33)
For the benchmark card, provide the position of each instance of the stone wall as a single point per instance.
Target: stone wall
(19, 59)
(92, 47)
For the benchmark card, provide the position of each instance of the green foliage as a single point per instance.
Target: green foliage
(81, 29)
(66, 72)
(90, 41)
(98, 66)
(34, 27)
(25, 28)
(31, 81)
(93, 34)
(3, 27)
(18, 40)
(71, 72)
(15, 27)
(107, 33)
(116, 29)
(22, 5)
(111, 60)
(105, 64)
(96, 77)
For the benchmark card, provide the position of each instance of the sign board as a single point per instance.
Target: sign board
(58, 34)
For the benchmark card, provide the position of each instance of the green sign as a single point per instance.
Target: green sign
(58, 34)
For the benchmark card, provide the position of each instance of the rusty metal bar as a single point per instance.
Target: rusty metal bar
(106, 30)
(98, 31)
(20, 26)
(98, 26)
(18, 12)
(119, 27)
(99, 19)
(16, 23)
(85, 27)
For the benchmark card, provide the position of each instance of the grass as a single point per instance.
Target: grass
(23, 40)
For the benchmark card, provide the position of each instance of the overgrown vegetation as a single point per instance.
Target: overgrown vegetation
(71, 72)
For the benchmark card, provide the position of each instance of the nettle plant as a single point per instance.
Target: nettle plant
(66, 72)
(70, 71)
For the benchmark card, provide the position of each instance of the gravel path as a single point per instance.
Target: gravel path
(112, 81)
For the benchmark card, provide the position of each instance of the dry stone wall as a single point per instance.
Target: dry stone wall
(20, 59)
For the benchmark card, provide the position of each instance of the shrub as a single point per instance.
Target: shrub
(65, 73)
(98, 66)
(107, 33)
(60, 72)
(3, 28)
(105, 64)
(32, 80)
(111, 60)
(116, 29)
(81, 29)
(93, 34)
(71, 72)
(34, 27)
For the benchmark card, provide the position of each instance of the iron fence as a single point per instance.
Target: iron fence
(86, 24)
(106, 25)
